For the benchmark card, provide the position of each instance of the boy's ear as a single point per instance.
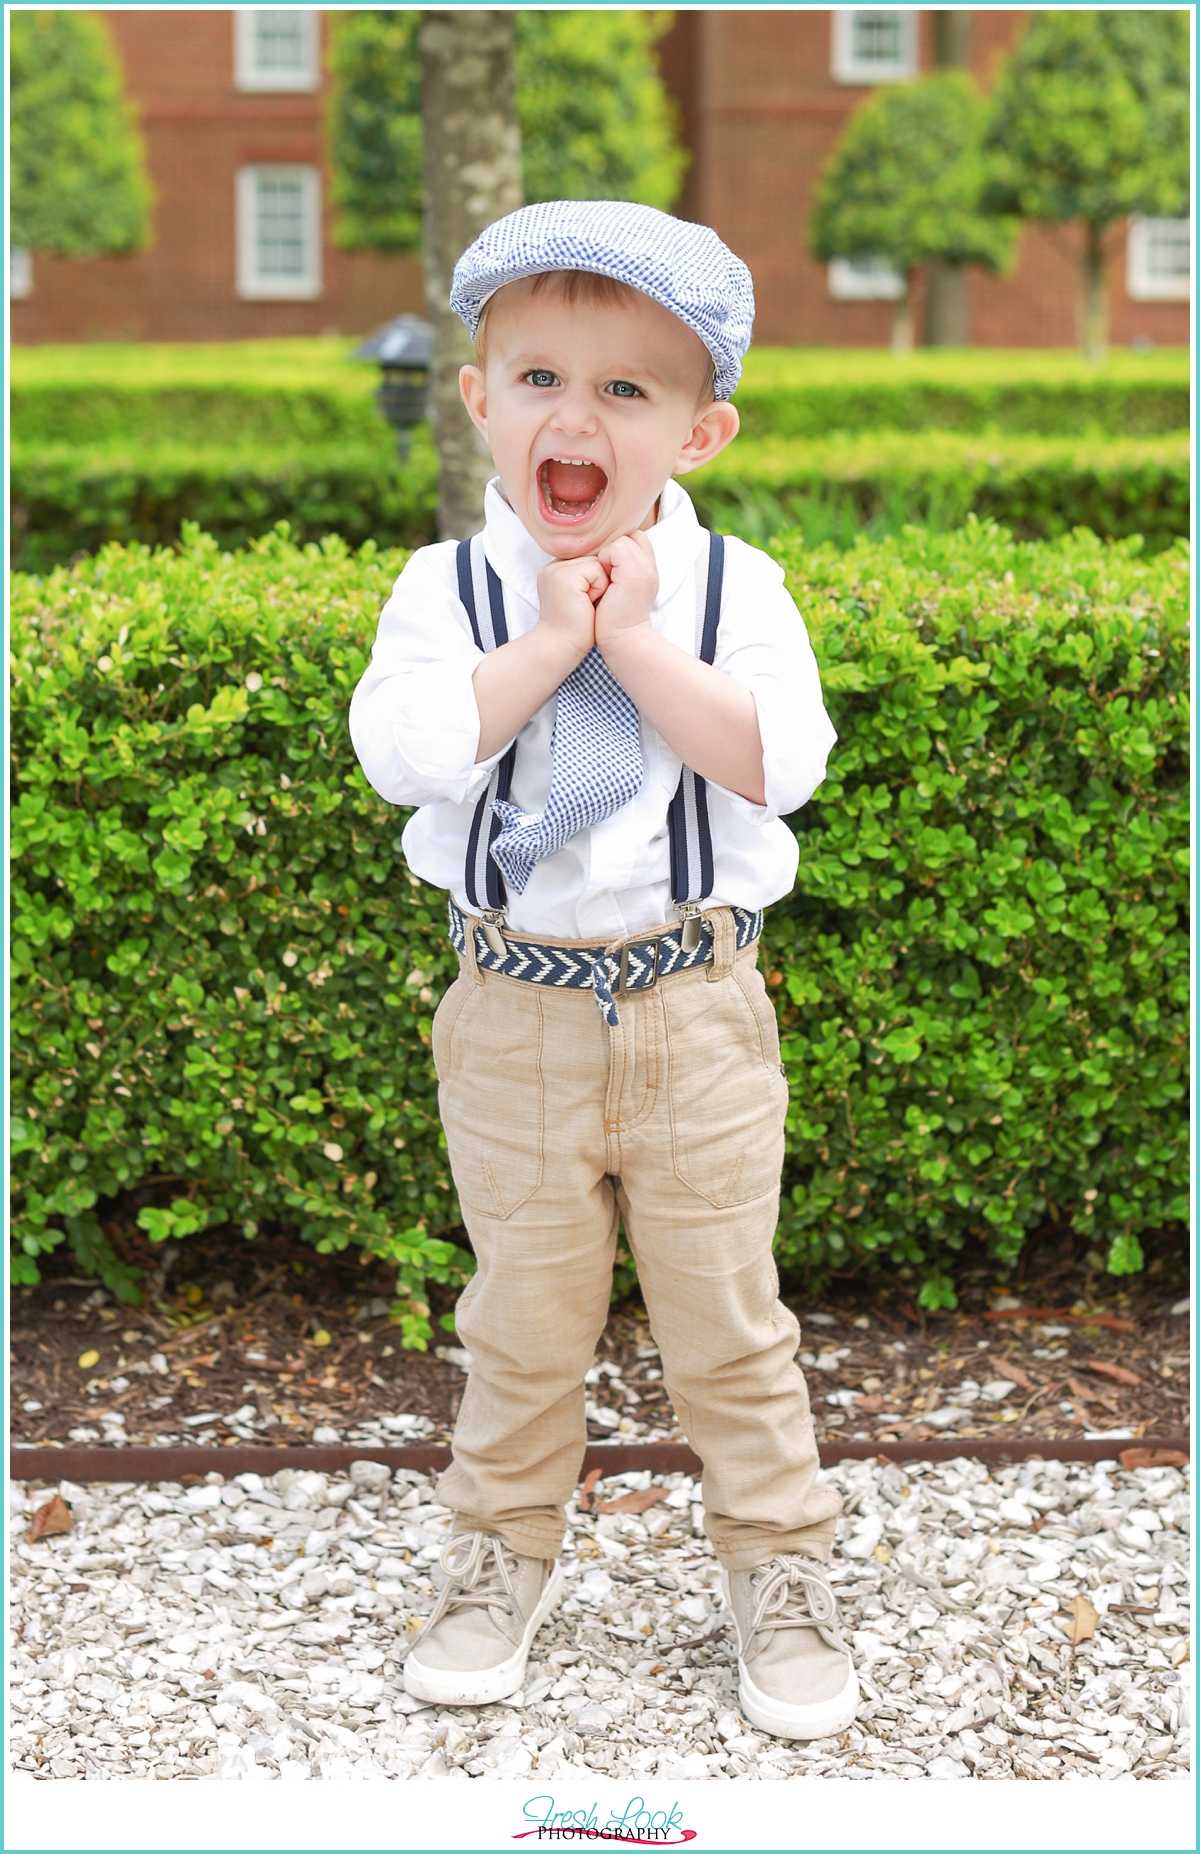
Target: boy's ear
(716, 427)
(474, 397)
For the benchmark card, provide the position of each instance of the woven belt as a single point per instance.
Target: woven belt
(636, 967)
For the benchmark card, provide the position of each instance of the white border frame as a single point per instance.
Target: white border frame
(250, 285)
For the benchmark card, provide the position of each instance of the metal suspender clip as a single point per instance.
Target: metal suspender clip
(691, 914)
(492, 920)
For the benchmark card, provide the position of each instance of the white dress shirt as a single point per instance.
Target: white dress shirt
(415, 728)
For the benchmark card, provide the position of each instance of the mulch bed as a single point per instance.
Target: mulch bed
(307, 1342)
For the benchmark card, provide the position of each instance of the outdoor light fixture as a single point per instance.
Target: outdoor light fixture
(403, 348)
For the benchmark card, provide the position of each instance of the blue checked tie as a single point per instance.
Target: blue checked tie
(597, 768)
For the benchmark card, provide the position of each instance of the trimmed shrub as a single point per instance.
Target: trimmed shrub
(983, 970)
(811, 392)
(231, 416)
(1037, 487)
(307, 390)
(66, 500)
(224, 977)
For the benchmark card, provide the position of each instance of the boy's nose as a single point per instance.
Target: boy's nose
(574, 413)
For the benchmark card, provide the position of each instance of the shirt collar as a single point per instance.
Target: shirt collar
(517, 558)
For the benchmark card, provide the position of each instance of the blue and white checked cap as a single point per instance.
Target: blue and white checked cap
(684, 267)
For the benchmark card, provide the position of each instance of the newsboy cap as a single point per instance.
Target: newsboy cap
(683, 266)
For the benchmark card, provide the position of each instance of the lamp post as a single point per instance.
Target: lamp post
(403, 348)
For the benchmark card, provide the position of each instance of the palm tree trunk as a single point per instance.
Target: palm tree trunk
(472, 167)
(1093, 308)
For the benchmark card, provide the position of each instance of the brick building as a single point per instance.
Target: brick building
(765, 96)
(232, 103)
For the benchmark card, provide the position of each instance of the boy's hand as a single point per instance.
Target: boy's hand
(567, 595)
(633, 586)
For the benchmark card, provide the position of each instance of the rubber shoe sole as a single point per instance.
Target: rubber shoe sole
(482, 1686)
(824, 1719)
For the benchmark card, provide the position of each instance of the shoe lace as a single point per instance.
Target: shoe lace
(477, 1575)
(791, 1593)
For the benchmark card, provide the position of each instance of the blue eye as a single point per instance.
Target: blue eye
(541, 376)
(624, 389)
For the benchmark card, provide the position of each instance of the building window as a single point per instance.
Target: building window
(275, 49)
(874, 47)
(279, 233)
(1158, 261)
(864, 280)
(20, 274)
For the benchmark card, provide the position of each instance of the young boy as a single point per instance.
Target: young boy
(601, 712)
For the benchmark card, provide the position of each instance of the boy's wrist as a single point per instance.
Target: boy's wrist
(628, 645)
(559, 648)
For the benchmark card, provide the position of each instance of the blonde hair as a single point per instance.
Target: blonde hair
(583, 287)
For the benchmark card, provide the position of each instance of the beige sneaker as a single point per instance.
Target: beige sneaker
(473, 1649)
(796, 1676)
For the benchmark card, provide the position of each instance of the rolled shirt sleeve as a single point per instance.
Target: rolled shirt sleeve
(763, 644)
(413, 717)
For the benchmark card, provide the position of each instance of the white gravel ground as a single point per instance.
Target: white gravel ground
(257, 1629)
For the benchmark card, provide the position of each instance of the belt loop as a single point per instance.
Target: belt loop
(471, 950)
(724, 932)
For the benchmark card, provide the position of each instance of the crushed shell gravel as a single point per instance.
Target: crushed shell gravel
(257, 1630)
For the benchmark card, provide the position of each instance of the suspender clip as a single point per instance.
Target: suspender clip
(691, 914)
(492, 920)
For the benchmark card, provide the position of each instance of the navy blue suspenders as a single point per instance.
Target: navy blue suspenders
(688, 828)
(687, 819)
(483, 880)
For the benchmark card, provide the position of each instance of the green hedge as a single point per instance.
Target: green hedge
(285, 392)
(309, 391)
(984, 968)
(808, 393)
(231, 415)
(1037, 487)
(67, 500)
(223, 977)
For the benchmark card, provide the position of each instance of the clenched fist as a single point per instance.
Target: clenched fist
(568, 591)
(632, 575)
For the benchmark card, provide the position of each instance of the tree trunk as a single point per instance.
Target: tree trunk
(946, 324)
(952, 35)
(1093, 306)
(902, 320)
(472, 169)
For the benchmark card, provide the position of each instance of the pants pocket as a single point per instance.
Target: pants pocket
(728, 1097)
(491, 1097)
(445, 1018)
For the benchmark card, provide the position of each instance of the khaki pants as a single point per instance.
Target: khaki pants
(557, 1126)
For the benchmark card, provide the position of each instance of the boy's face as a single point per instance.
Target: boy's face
(588, 409)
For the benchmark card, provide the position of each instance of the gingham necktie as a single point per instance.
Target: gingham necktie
(597, 768)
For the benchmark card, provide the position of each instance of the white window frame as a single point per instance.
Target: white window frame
(249, 74)
(864, 280)
(850, 68)
(252, 283)
(20, 274)
(1143, 284)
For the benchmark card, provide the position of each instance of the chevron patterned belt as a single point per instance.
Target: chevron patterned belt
(636, 967)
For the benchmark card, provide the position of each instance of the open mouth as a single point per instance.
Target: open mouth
(570, 487)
